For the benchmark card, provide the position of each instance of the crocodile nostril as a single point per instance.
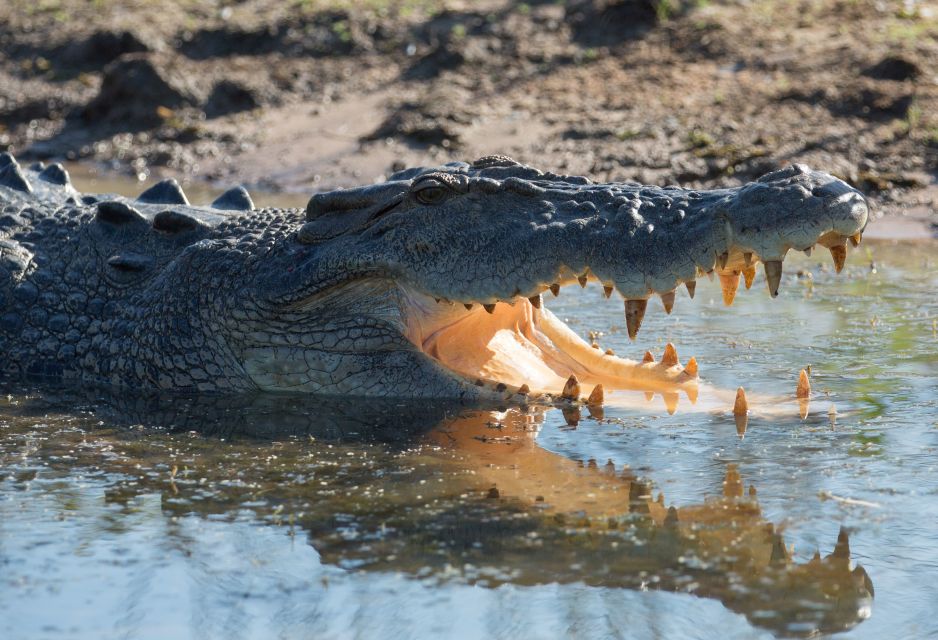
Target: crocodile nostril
(833, 189)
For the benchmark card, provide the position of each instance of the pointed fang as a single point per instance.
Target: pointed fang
(667, 299)
(535, 301)
(691, 288)
(489, 308)
(582, 280)
(669, 359)
(749, 274)
(571, 390)
(729, 282)
(723, 259)
(839, 254)
(596, 396)
(773, 276)
(691, 367)
(741, 406)
(648, 358)
(607, 290)
(634, 313)
(804, 385)
(855, 239)
(555, 289)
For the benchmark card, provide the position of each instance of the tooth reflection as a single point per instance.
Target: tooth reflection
(670, 402)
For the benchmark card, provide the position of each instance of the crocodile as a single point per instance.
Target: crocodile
(429, 284)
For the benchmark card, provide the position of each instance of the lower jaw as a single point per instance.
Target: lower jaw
(517, 345)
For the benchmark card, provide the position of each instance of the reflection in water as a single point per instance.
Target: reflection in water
(436, 491)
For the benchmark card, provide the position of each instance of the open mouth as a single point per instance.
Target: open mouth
(519, 345)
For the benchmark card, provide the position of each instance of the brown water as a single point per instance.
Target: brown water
(261, 516)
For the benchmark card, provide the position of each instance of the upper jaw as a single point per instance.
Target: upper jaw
(661, 239)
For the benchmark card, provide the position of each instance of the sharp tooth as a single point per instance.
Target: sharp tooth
(856, 238)
(555, 289)
(524, 389)
(808, 251)
(596, 396)
(741, 406)
(722, 259)
(667, 299)
(610, 352)
(691, 288)
(634, 313)
(607, 290)
(649, 396)
(747, 258)
(729, 282)
(648, 358)
(468, 305)
(692, 392)
(691, 367)
(773, 275)
(490, 308)
(749, 274)
(535, 301)
(669, 359)
(582, 279)
(571, 390)
(804, 385)
(710, 275)
(839, 253)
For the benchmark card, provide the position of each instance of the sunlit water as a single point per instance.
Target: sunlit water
(141, 517)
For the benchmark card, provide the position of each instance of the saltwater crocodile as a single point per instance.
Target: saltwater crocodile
(427, 285)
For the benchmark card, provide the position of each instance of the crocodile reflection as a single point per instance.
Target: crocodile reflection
(442, 491)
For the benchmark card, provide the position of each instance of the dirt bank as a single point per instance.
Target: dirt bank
(316, 94)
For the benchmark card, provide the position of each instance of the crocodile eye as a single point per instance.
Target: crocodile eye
(433, 194)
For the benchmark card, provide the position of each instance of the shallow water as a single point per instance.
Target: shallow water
(283, 517)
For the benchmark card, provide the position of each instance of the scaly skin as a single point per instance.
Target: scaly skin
(367, 291)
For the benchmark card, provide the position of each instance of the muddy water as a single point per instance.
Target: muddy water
(157, 517)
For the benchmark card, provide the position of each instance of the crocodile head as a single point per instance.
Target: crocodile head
(428, 285)
(451, 265)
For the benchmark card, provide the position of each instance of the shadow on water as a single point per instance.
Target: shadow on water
(433, 491)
